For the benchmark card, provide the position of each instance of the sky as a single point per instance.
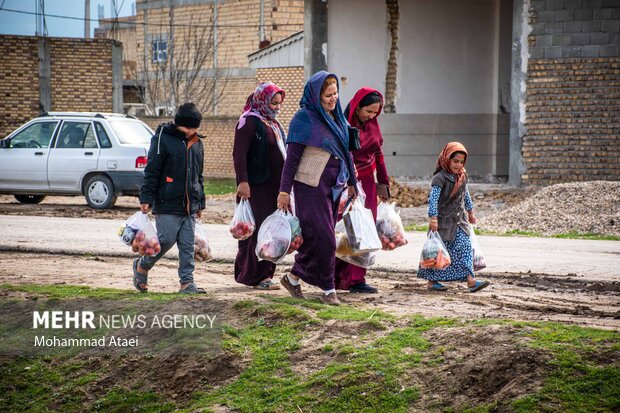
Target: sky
(25, 24)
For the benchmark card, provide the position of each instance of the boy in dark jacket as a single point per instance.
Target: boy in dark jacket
(173, 187)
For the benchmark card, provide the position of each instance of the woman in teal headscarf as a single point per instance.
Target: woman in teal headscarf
(318, 167)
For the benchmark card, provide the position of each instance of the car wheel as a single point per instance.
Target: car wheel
(30, 199)
(99, 192)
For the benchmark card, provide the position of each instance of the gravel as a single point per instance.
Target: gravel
(584, 207)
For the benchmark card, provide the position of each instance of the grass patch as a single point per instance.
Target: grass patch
(577, 235)
(220, 186)
(371, 372)
(271, 385)
(72, 291)
(35, 384)
(419, 228)
(123, 400)
(343, 312)
(578, 382)
(567, 235)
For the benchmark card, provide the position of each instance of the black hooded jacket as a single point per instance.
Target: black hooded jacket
(173, 181)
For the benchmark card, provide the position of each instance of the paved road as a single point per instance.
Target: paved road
(600, 259)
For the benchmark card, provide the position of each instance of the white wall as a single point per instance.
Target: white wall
(358, 44)
(448, 56)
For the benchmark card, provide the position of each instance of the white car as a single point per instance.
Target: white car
(98, 155)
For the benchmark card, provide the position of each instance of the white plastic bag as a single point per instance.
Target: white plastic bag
(479, 261)
(243, 224)
(390, 227)
(346, 253)
(202, 249)
(296, 237)
(128, 230)
(343, 248)
(274, 237)
(139, 232)
(366, 260)
(360, 227)
(434, 253)
(344, 197)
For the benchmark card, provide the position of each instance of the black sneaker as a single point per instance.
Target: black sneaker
(363, 288)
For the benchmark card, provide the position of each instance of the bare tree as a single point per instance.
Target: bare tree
(184, 69)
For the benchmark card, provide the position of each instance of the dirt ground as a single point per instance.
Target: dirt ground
(574, 299)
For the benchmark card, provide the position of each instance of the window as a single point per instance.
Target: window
(131, 132)
(37, 135)
(90, 140)
(160, 51)
(104, 139)
(74, 135)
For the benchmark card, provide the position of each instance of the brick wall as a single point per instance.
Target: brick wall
(291, 79)
(19, 81)
(81, 74)
(236, 91)
(573, 92)
(220, 131)
(220, 134)
(238, 36)
(81, 77)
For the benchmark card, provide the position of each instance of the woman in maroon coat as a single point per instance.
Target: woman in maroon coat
(258, 156)
(362, 113)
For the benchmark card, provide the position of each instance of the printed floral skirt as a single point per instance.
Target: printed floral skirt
(462, 261)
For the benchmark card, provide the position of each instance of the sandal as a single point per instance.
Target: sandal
(479, 286)
(192, 288)
(266, 285)
(437, 287)
(140, 279)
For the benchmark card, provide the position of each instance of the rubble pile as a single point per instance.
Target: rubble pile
(584, 207)
(408, 196)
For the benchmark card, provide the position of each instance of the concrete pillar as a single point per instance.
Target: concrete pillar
(117, 77)
(520, 56)
(45, 75)
(315, 36)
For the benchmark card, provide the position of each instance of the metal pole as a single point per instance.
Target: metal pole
(261, 29)
(215, 16)
(86, 19)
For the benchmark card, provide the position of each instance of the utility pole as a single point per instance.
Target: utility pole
(86, 19)
(41, 26)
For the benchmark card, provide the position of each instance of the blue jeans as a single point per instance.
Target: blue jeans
(177, 229)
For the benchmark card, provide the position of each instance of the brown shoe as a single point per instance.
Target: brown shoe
(294, 290)
(330, 299)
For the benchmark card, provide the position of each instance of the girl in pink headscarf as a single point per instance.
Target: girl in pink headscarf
(258, 157)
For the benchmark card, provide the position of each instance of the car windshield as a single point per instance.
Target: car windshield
(131, 131)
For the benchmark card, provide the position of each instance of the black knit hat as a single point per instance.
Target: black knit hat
(188, 115)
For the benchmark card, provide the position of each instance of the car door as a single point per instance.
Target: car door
(23, 161)
(75, 154)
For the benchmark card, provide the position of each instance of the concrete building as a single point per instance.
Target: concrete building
(529, 86)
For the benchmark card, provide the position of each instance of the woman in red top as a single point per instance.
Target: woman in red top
(362, 113)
